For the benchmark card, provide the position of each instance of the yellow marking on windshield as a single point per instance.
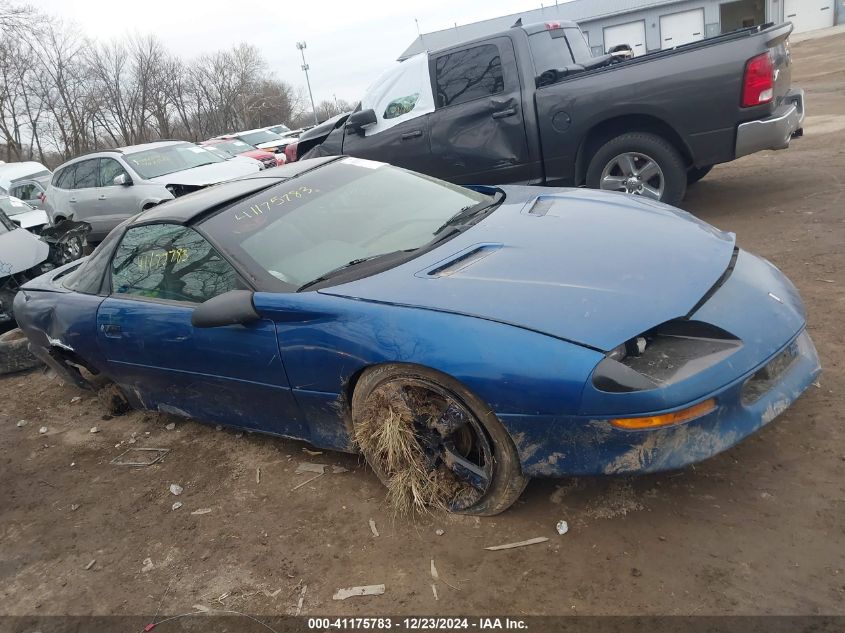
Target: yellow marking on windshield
(260, 208)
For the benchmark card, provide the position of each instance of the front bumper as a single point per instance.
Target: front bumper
(773, 132)
(557, 446)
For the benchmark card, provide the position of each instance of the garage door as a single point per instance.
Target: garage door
(632, 34)
(681, 28)
(809, 15)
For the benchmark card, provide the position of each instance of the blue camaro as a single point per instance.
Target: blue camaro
(529, 332)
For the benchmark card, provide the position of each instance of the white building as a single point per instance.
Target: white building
(649, 25)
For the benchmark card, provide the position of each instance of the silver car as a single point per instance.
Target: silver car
(104, 188)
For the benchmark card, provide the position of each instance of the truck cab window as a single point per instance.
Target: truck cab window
(468, 74)
(558, 48)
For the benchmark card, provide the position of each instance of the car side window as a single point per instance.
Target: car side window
(170, 262)
(468, 74)
(64, 178)
(109, 170)
(86, 174)
(24, 192)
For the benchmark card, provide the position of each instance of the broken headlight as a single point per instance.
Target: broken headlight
(663, 356)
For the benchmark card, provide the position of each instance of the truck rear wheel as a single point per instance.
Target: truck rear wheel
(642, 164)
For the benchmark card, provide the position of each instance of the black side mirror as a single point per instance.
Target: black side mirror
(123, 180)
(231, 308)
(360, 121)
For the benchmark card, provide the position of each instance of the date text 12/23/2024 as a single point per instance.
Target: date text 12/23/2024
(417, 624)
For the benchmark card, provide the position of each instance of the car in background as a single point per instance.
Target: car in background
(27, 181)
(104, 188)
(238, 147)
(227, 155)
(22, 214)
(262, 138)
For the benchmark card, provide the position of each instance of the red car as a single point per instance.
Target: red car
(235, 147)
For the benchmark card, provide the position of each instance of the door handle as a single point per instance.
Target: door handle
(111, 330)
(409, 135)
(501, 114)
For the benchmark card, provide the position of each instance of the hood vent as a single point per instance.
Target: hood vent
(462, 260)
(541, 206)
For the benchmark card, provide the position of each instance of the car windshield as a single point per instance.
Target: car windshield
(346, 212)
(13, 206)
(169, 159)
(233, 146)
(261, 136)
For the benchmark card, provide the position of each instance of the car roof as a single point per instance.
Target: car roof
(132, 149)
(187, 209)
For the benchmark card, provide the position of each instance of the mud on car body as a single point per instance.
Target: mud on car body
(493, 334)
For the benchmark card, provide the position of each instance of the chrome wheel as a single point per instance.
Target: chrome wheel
(634, 173)
(70, 250)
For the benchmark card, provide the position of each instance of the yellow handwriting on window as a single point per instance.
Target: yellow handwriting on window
(152, 260)
(258, 209)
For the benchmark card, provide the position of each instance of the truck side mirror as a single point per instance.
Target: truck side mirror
(360, 121)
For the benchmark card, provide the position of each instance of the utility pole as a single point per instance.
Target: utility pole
(301, 47)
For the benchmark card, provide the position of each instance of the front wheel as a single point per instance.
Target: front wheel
(641, 164)
(433, 444)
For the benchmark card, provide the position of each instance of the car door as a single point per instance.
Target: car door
(477, 129)
(232, 375)
(115, 203)
(404, 145)
(82, 199)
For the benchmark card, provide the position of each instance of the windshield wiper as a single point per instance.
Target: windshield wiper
(466, 213)
(346, 266)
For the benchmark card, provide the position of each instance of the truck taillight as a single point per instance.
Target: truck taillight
(290, 152)
(758, 86)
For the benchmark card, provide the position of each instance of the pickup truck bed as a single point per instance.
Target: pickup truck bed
(531, 106)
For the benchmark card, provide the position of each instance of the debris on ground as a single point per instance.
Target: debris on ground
(562, 527)
(531, 541)
(148, 565)
(307, 481)
(74, 507)
(201, 511)
(42, 430)
(94, 429)
(219, 427)
(113, 400)
(201, 608)
(176, 505)
(21, 423)
(139, 456)
(439, 532)
(364, 590)
(373, 528)
(636, 573)
(339, 469)
(176, 489)
(310, 467)
(76, 399)
(311, 453)
(258, 475)
(90, 565)
(170, 426)
(301, 599)
(434, 573)
(434, 591)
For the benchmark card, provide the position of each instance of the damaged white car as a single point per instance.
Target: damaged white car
(24, 256)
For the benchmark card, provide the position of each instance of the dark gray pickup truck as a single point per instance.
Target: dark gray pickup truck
(530, 105)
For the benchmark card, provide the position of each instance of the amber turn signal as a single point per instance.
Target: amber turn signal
(666, 419)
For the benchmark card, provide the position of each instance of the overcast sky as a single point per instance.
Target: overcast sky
(349, 42)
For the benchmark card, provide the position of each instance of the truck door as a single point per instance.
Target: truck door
(477, 129)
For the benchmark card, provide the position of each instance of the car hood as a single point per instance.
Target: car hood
(30, 219)
(20, 250)
(589, 267)
(271, 145)
(208, 174)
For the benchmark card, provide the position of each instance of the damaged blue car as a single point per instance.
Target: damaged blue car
(500, 333)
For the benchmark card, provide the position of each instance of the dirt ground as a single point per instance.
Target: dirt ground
(759, 529)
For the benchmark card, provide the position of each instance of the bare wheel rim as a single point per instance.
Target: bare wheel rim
(71, 250)
(634, 173)
(451, 438)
